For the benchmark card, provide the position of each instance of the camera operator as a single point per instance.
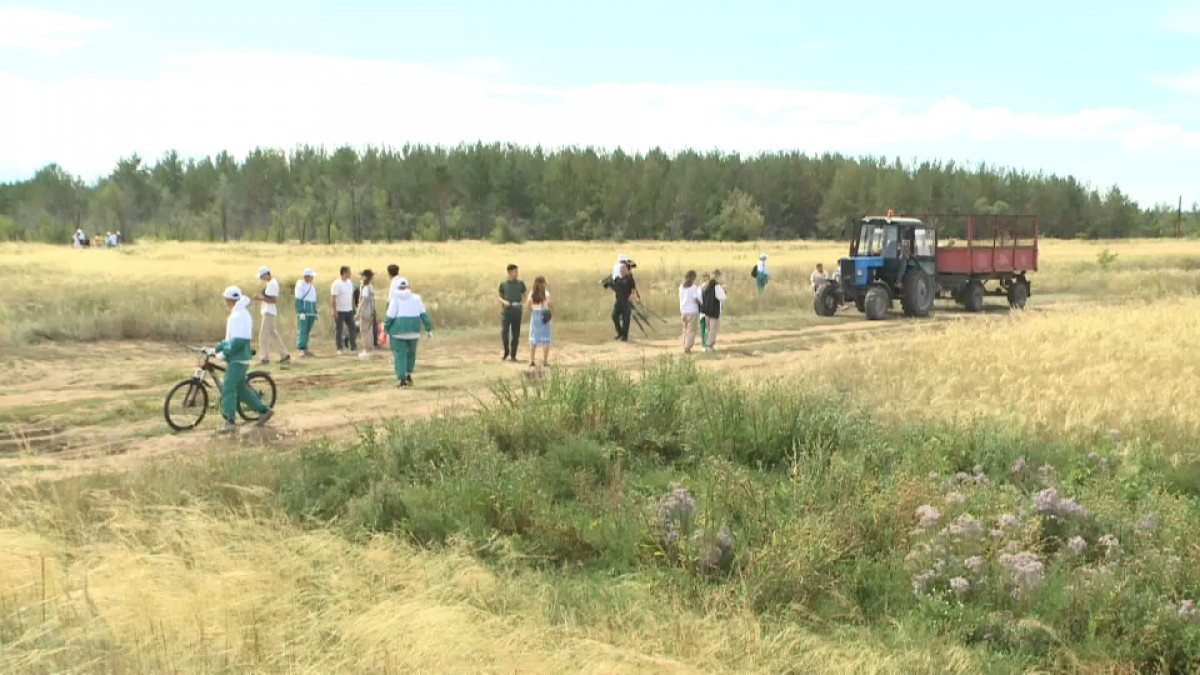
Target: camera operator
(622, 260)
(625, 289)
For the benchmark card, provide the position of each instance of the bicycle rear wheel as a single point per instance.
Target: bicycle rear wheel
(264, 387)
(186, 405)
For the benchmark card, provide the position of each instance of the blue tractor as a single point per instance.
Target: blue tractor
(891, 259)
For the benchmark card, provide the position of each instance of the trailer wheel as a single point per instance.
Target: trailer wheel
(917, 299)
(875, 303)
(860, 303)
(825, 302)
(972, 296)
(1018, 293)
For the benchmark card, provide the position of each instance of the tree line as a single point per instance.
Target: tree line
(507, 192)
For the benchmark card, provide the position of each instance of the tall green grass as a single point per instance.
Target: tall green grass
(798, 509)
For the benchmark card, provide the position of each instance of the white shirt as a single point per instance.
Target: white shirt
(305, 291)
(689, 299)
(816, 278)
(617, 268)
(762, 268)
(239, 326)
(720, 293)
(343, 292)
(271, 291)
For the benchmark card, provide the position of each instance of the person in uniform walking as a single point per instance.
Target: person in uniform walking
(306, 310)
(235, 351)
(406, 316)
(762, 274)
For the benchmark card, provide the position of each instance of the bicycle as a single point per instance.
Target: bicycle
(192, 399)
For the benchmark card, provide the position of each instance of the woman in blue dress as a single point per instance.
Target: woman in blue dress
(539, 305)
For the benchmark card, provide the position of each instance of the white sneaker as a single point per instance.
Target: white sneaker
(364, 354)
(339, 352)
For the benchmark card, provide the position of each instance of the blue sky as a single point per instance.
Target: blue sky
(1106, 91)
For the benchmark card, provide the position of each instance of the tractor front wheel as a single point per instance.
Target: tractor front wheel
(875, 303)
(917, 299)
(825, 302)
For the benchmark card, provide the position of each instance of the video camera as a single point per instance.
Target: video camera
(608, 279)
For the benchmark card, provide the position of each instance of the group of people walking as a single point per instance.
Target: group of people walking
(700, 306)
(514, 298)
(110, 239)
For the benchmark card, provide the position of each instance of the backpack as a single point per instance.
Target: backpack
(355, 297)
(754, 272)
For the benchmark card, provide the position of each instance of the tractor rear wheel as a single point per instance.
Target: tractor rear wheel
(917, 299)
(1018, 293)
(825, 302)
(875, 303)
(972, 295)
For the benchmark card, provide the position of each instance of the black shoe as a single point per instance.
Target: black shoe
(408, 381)
(505, 357)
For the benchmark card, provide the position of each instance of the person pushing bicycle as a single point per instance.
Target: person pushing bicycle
(236, 352)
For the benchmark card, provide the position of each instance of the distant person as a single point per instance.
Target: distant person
(704, 320)
(512, 297)
(268, 334)
(689, 309)
(366, 313)
(341, 293)
(117, 239)
(539, 322)
(306, 310)
(78, 239)
(625, 290)
(235, 351)
(761, 274)
(818, 277)
(406, 316)
(712, 306)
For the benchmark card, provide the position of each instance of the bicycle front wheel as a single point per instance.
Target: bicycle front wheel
(186, 405)
(264, 387)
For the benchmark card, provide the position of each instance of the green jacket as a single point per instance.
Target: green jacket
(407, 325)
(308, 307)
(235, 351)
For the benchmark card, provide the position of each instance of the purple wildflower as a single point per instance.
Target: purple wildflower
(965, 526)
(1019, 465)
(981, 479)
(1188, 611)
(960, 585)
(677, 506)
(927, 515)
(973, 564)
(1009, 521)
(1048, 501)
(956, 498)
(1025, 567)
(961, 477)
(920, 581)
(1077, 544)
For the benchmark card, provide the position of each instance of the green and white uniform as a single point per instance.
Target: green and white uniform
(764, 275)
(405, 317)
(235, 350)
(306, 312)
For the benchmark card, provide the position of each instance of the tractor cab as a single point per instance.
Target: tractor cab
(891, 258)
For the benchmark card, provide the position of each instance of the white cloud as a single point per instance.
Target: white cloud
(207, 102)
(43, 30)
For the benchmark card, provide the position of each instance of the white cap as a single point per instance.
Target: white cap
(622, 258)
(401, 282)
(233, 293)
(263, 271)
(762, 257)
(309, 273)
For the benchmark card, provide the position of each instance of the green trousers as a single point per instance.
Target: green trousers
(762, 280)
(304, 326)
(404, 356)
(703, 330)
(234, 389)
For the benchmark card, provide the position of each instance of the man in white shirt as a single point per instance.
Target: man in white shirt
(818, 277)
(342, 292)
(269, 309)
(689, 309)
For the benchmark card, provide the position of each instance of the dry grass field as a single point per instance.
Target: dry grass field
(126, 548)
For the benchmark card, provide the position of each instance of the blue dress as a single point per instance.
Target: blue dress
(539, 330)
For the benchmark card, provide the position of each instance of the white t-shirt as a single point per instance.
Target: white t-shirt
(271, 291)
(689, 299)
(816, 278)
(343, 292)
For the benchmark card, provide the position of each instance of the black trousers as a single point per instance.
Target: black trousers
(622, 311)
(345, 319)
(510, 331)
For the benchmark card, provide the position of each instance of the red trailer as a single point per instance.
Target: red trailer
(974, 250)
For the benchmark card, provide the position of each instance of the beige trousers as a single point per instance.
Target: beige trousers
(266, 335)
(690, 322)
(714, 328)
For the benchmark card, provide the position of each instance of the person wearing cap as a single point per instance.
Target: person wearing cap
(406, 316)
(235, 351)
(512, 297)
(342, 303)
(269, 309)
(306, 310)
(366, 313)
(762, 275)
(621, 260)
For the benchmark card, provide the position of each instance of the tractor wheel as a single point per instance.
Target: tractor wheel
(1018, 293)
(825, 302)
(972, 295)
(875, 303)
(860, 304)
(917, 299)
